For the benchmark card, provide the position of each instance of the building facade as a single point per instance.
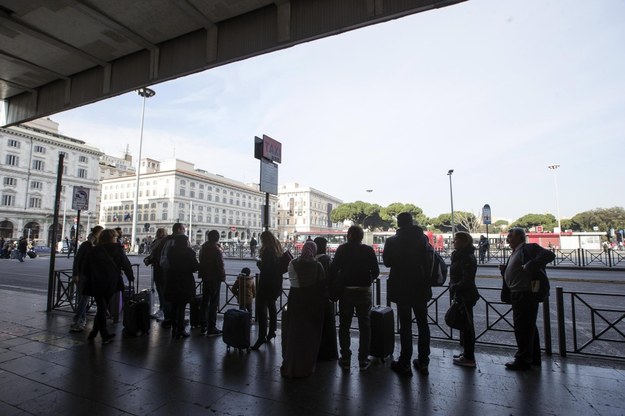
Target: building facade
(29, 159)
(305, 210)
(175, 191)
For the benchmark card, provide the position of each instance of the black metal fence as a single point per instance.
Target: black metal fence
(588, 323)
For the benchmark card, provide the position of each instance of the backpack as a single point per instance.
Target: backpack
(165, 246)
(436, 271)
(285, 259)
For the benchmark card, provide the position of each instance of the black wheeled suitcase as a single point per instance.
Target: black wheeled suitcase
(136, 312)
(237, 325)
(31, 254)
(382, 332)
(194, 311)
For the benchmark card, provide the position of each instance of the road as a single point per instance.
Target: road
(32, 275)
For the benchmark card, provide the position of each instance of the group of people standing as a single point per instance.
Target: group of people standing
(316, 281)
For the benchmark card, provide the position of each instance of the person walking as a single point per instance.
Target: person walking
(79, 277)
(520, 274)
(303, 322)
(483, 246)
(106, 262)
(357, 267)
(212, 273)
(462, 288)
(328, 348)
(180, 289)
(409, 288)
(269, 287)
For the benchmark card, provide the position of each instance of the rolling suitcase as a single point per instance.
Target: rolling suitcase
(31, 254)
(194, 311)
(237, 325)
(382, 332)
(136, 311)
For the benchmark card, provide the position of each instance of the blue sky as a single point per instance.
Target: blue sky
(496, 90)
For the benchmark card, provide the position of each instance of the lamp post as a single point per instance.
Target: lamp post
(554, 167)
(145, 93)
(451, 195)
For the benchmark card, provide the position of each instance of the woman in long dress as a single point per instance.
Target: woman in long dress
(303, 323)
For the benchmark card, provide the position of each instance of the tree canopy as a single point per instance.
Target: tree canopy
(547, 221)
(374, 217)
(603, 218)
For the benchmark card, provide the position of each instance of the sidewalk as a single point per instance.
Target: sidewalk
(46, 370)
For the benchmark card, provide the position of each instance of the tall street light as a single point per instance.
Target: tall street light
(554, 167)
(145, 93)
(451, 195)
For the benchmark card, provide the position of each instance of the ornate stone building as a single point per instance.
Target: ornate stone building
(29, 158)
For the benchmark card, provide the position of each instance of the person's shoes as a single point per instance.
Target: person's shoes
(364, 364)
(402, 370)
(458, 355)
(464, 362)
(422, 368)
(107, 338)
(181, 335)
(76, 327)
(517, 365)
(214, 332)
(92, 335)
(203, 330)
(271, 335)
(344, 363)
(536, 362)
(258, 343)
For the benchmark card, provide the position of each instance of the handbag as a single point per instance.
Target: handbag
(505, 292)
(456, 316)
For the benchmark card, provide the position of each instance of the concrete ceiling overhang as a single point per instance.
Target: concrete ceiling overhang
(59, 54)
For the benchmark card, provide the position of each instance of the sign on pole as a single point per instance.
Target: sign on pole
(80, 198)
(268, 177)
(486, 218)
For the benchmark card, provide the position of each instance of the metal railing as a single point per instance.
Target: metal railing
(596, 322)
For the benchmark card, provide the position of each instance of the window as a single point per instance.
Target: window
(40, 149)
(36, 185)
(82, 173)
(12, 160)
(164, 216)
(182, 192)
(14, 143)
(8, 200)
(34, 202)
(10, 181)
(83, 159)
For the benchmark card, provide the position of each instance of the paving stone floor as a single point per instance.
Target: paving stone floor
(45, 370)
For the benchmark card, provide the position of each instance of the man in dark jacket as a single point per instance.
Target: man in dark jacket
(22, 247)
(162, 260)
(521, 273)
(409, 288)
(212, 273)
(356, 265)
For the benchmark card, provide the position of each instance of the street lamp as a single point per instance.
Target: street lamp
(554, 167)
(145, 93)
(451, 195)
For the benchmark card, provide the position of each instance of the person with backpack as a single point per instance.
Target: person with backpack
(269, 287)
(158, 276)
(106, 262)
(410, 288)
(524, 275)
(357, 267)
(462, 287)
(180, 288)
